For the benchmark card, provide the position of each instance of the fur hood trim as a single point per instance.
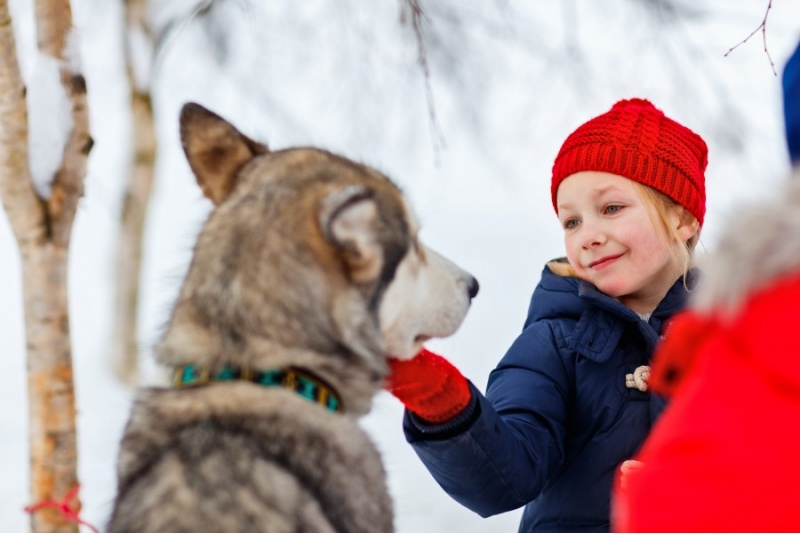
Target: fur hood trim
(758, 247)
(561, 267)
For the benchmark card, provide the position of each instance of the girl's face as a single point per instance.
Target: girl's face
(612, 242)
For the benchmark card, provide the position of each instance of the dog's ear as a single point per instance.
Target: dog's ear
(215, 149)
(349, 220)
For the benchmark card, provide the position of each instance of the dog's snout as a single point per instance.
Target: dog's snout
(472, 287)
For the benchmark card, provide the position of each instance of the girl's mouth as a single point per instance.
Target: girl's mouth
(603, 262)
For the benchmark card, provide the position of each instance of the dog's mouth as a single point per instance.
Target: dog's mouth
(422, 338)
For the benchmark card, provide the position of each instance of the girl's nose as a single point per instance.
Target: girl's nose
(592, 234)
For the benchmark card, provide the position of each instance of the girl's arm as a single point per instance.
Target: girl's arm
(497, 453)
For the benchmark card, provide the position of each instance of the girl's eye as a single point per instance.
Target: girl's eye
(571, 223)
(613, 208)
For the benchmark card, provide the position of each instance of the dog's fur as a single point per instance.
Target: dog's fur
(308, 260)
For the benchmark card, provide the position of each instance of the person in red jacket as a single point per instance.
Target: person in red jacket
(724, 455)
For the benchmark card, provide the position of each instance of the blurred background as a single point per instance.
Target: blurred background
(464, 103)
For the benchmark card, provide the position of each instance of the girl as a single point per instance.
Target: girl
(568, 403)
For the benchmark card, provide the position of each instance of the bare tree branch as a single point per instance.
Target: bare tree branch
(413, 8)
(25, 210)
(137, 197)
(763, 28)
(67, 188)
(52, 32)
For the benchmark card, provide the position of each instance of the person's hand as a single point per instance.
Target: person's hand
(429, 386)
(626, 468)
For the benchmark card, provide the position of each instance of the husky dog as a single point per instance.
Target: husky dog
(306, 276)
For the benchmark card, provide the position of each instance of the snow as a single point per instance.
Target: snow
(508, 80)
(49, 120)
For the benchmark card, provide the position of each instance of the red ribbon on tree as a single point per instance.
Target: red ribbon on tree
(63, 506)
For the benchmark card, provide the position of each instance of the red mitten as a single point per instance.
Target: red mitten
(429, 386)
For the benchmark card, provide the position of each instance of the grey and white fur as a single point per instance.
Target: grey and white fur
(760, 244)
(308, 260)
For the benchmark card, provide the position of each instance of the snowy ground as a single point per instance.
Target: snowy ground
(482, 196)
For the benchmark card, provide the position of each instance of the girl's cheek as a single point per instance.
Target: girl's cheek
(573, 255)
(568, 247)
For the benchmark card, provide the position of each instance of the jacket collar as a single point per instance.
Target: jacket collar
(604, 319)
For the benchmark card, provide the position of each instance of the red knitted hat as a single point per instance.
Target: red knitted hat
(639, 142)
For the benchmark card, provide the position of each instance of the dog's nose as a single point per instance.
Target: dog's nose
(472, 287)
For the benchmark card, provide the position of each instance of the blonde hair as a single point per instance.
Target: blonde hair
(660, 208)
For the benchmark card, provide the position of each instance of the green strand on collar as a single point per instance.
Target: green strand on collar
(300, 381)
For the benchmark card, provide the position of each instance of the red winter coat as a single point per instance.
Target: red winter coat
(725, 455)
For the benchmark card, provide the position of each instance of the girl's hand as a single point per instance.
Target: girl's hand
(429, 386)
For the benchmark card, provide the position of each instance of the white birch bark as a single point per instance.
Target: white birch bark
(42, 228)
(137, 196)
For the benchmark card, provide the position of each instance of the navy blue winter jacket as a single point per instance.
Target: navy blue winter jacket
(557, 418)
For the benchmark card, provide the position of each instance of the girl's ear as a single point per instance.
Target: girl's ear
(686, 225)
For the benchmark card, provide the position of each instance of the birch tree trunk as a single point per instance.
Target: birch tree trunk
(134, 209)
(42, 228)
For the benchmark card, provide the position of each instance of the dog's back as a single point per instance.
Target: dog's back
(240, 458)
